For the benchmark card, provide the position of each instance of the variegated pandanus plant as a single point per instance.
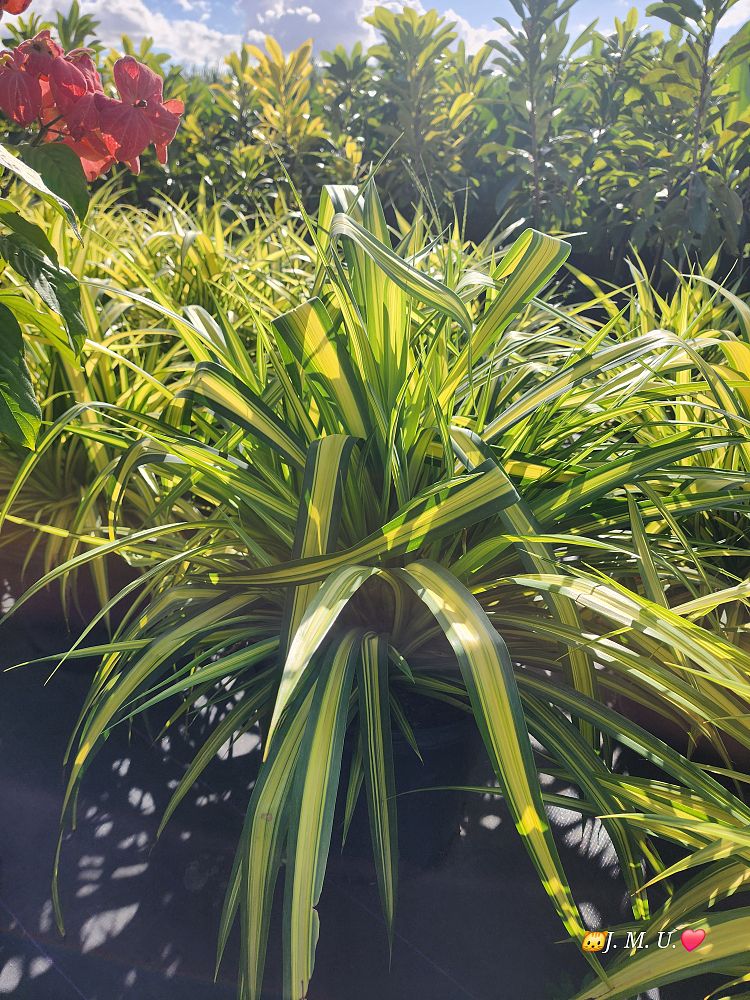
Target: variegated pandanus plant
(425, 481)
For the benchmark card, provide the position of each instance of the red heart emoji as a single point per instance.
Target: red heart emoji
(691, 939)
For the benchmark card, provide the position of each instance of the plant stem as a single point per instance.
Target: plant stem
(700, 110)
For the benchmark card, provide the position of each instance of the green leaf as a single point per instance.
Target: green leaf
(669, 12)
(10, 217)
(435, 513)
(490, 680)
(589, 772)
(719, 661)
(524, 270)
(218, 669)
(321, 615)
(708, 887)
(649, 747)
(61, 171)
(472, 451)
(380, 782)
(35, 180)
(311, 821)
(690, 9)
(261, 844)
(222, 392)
(354, 787)
(629, 469)
(308, 332)
(55, 285)
(421, 286)
(20, 415)
(238, 720)
(318, 519)
(569, 377)
(139, 672)
(741, 307)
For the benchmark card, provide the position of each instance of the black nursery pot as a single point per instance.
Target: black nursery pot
(428, 821)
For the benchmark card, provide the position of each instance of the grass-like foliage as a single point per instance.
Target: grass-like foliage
(396, 473)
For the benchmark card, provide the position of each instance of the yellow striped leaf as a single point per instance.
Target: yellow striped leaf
(311, 819)
(439, 511)
(415, 283)
(525, 269)
(309, 333)
(222, 392)
(318, 518)
(380, 784)
(490, 680)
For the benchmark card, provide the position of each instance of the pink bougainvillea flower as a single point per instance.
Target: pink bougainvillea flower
(140, 117)
(83, 60)
(67, 85)
(76, 87)
(20, 92)
(13, 6)
(39, 54)
(50, 111)
(84, 118)
(94, 153)
(64, 94)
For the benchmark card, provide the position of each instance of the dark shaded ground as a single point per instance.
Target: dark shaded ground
(141, 919)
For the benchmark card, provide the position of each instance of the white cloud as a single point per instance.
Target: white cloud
(344, 21)
(474, 37)
(194, 38)
(190, 41)
(292, 22)
(280, 10)
(736, 16)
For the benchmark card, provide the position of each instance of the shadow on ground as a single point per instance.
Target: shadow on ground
(141, 916)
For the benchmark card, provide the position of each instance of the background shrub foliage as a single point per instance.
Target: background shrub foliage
(632, 137)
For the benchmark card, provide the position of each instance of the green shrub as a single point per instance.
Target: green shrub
(632, 137)
(423, 481)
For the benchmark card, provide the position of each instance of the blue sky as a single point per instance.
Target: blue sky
(203, 31)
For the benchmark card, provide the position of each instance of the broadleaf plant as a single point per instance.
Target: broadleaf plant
(26, 249)
(81, 133)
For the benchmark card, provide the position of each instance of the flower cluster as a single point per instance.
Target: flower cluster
(63, 94)
(13, 6)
